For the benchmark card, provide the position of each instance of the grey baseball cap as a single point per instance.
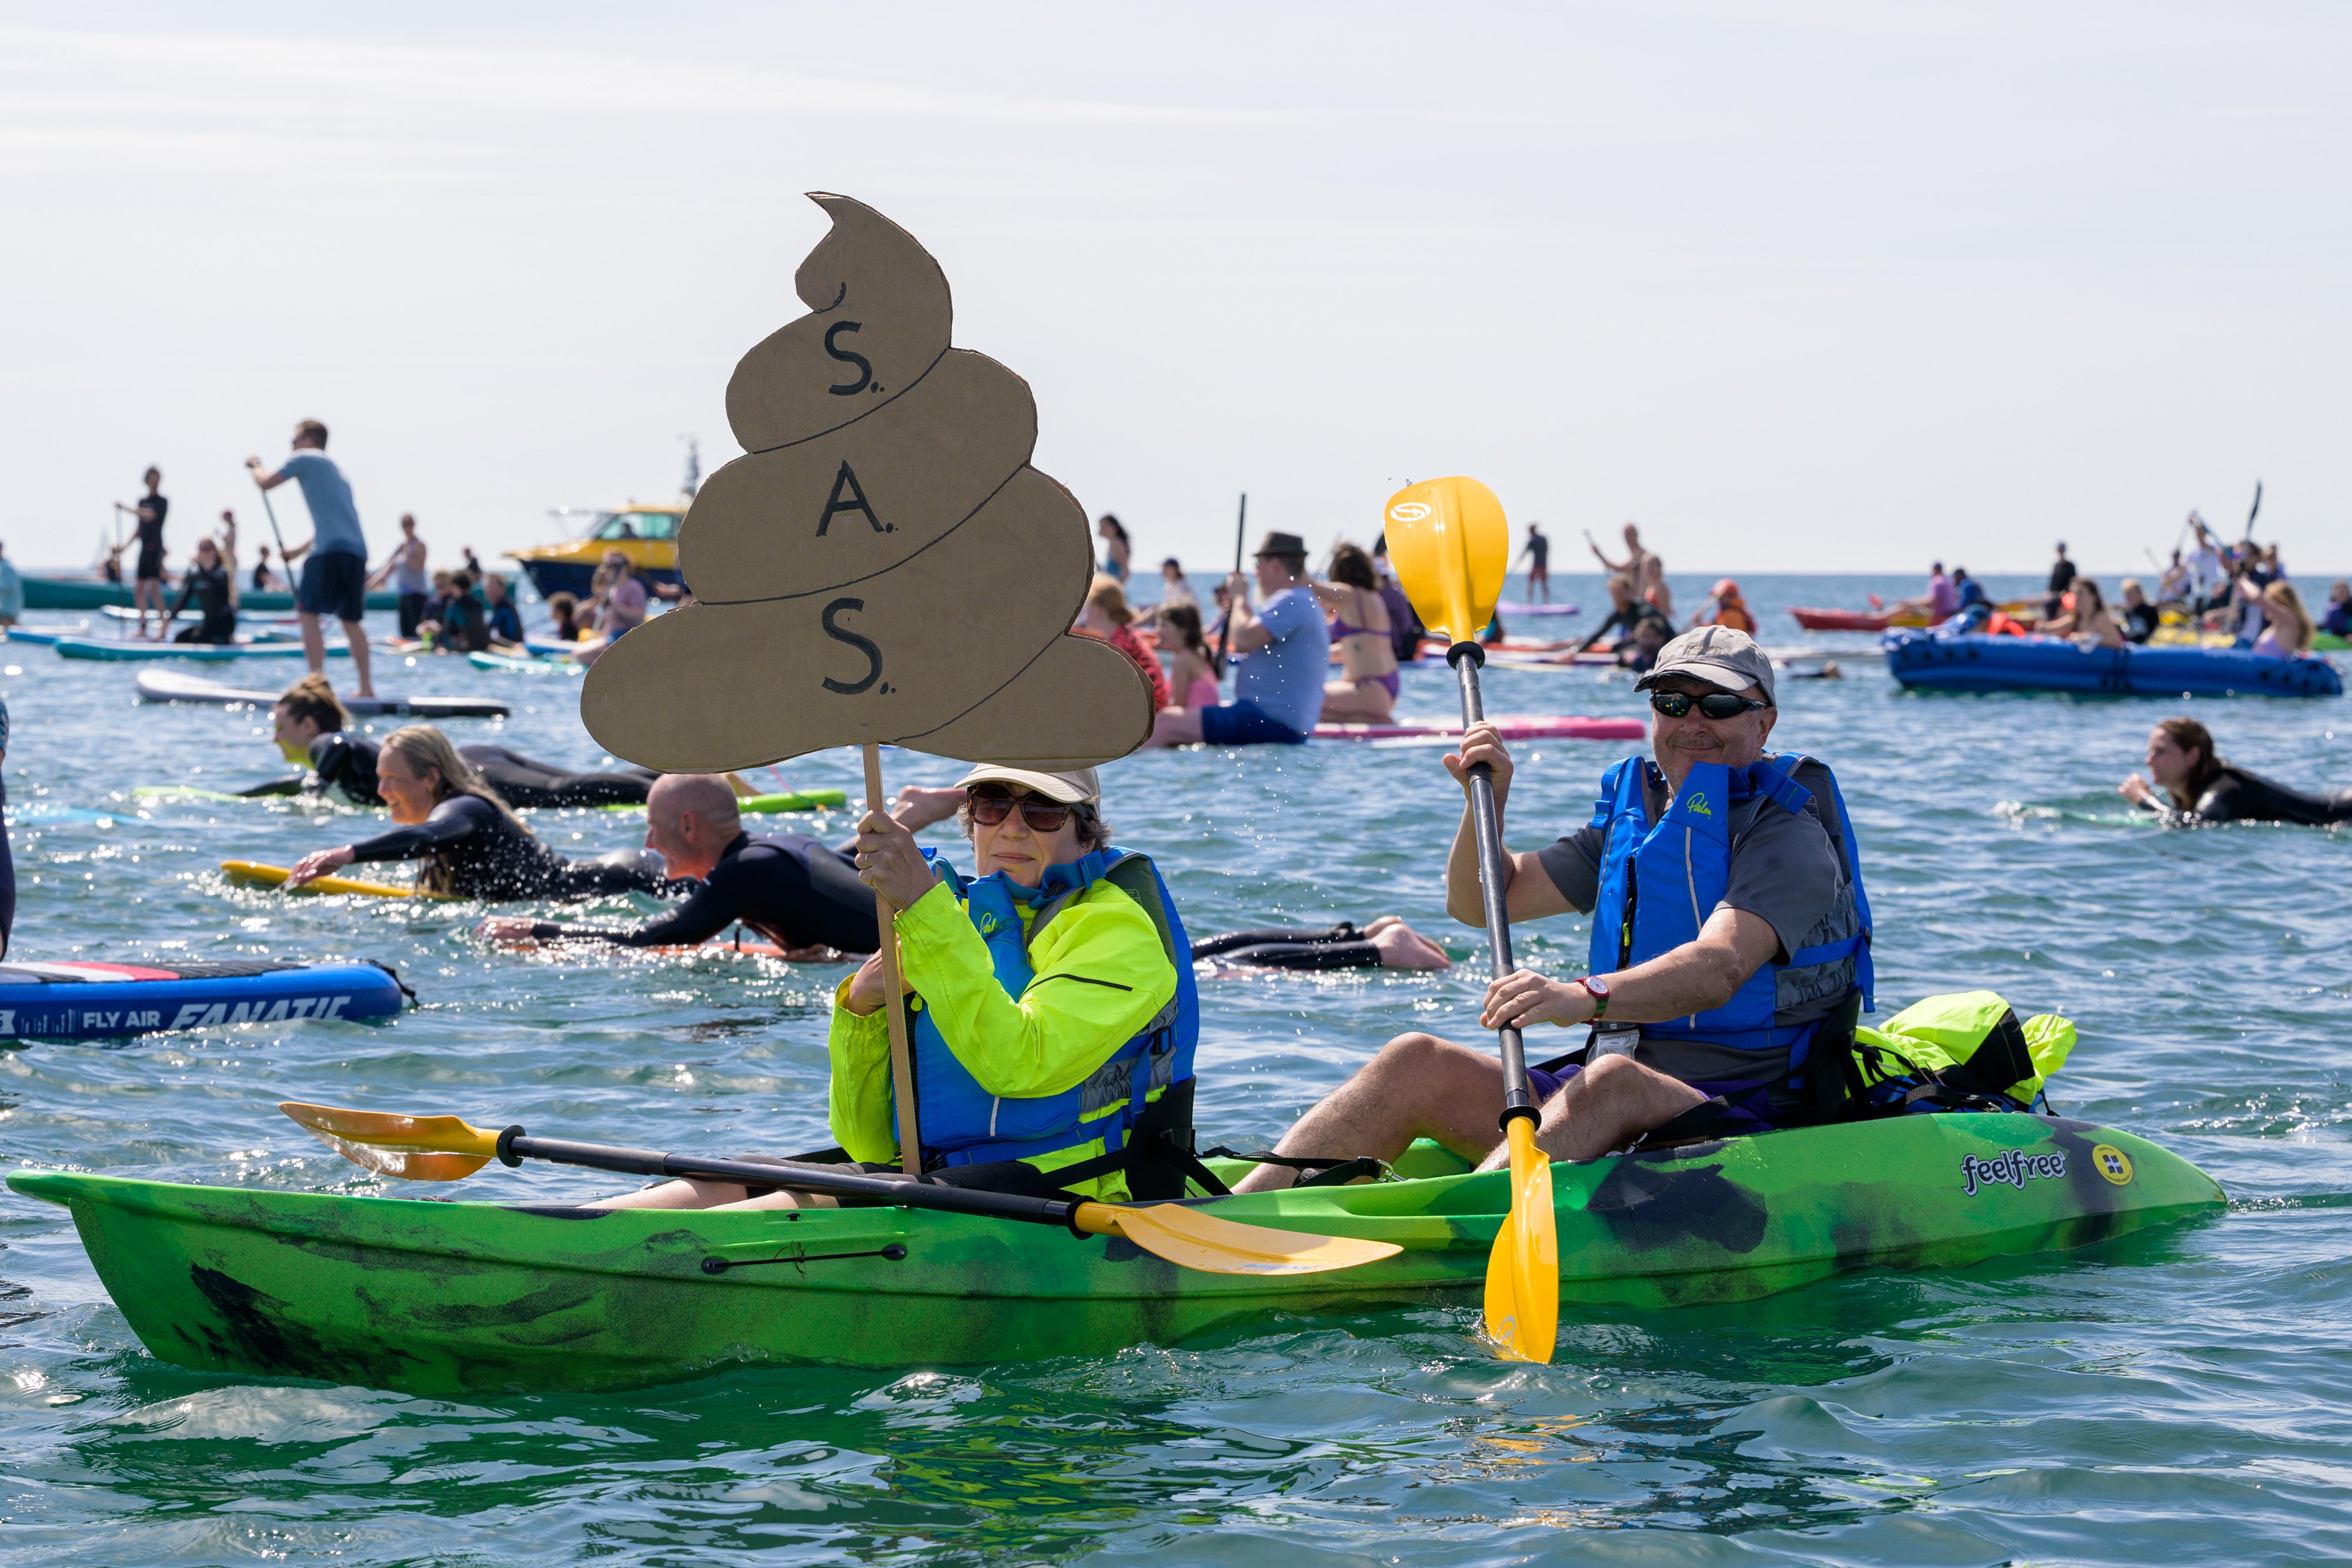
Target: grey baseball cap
(1716, 654)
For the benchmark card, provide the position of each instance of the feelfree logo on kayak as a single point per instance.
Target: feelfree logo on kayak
(2011, 1167)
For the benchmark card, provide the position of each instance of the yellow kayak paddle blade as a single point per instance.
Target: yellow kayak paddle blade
(1451, 547)
(1523, 1272)
(1191, 1240)
(413, 1148)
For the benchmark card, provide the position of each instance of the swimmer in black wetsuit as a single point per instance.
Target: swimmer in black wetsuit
(473, 846)
(793, 890)
(311, 729)
(2203, 788)
(1386, 943)
(807, 899)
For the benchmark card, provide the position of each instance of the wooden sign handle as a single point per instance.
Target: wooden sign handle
(902, 1065)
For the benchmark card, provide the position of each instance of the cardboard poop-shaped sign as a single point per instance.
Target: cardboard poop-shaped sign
(883, 565)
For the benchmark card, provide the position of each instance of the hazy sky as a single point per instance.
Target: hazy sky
(1806, 286)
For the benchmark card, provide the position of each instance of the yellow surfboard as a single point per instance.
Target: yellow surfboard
(252, 874)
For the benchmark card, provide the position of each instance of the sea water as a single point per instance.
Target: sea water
(2184, 1396)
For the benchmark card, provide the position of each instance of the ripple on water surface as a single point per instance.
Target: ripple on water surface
(2169, 1396)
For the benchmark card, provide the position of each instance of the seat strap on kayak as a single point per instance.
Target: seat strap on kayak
(1324, 1172)
(1695, 1123)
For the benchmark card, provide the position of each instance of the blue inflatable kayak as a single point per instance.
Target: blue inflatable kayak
(85, 1001)
(1976, 662)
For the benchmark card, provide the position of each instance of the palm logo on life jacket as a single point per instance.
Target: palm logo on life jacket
(963, 1123)
(1658, 884)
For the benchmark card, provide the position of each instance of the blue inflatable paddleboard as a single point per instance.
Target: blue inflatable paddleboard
(86, 1001)
(1978, 662)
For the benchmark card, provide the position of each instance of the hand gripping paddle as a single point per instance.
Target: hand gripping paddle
(1451, 545)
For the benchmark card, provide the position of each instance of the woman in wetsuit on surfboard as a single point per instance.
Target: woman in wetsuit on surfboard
(2203, 788)
(313, 729)
(473, 846)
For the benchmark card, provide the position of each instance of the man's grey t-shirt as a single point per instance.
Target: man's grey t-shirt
(334, 519)
(1788, 867)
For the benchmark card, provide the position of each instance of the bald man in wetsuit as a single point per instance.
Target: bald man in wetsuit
(797, 893)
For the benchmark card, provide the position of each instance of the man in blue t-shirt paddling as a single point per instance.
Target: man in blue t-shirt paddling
(1284, 656)
(334, 580)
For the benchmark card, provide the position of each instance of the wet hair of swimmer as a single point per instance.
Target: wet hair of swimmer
(313, 698)
(2191, 736)
(422, 746)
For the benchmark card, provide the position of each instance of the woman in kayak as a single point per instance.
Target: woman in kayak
(471, 845)
(2203, 788)
(1054, 1031)
(313, 730)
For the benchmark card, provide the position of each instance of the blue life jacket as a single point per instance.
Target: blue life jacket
(1659, 884)
(962, 1124)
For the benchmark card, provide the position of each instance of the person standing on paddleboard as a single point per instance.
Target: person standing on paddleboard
(147, 580)
(1538, 555)
(404, 570)
(1285, 655)
(1730, 942)
(334, 580)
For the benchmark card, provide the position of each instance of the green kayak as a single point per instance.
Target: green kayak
(445, 1297)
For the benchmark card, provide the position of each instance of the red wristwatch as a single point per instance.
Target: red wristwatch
(1597, 990)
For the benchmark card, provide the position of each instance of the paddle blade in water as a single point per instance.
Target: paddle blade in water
(1523, 1272)
(1192, 1239)
(1451, 547)
(413, 1148)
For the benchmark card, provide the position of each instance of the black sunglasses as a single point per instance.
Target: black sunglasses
(1715, 705)
(992, 806)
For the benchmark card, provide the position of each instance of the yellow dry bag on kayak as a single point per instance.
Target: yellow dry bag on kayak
(1971, 1042)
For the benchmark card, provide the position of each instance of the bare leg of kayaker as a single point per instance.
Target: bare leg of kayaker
(1420, 1086)
(1605, 1107)
(690, 1194)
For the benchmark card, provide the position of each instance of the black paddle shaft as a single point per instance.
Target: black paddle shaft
(271, 513)
(1226, 631)
(1519, 1098)
(516, 1146)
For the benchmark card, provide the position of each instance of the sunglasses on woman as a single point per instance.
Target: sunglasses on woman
(1715, 705)
(992, 806)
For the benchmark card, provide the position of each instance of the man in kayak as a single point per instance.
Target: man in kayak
(1730, 942)
(1286, 657)
(334, 580)
(1051, 1024)
(2204, 788)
